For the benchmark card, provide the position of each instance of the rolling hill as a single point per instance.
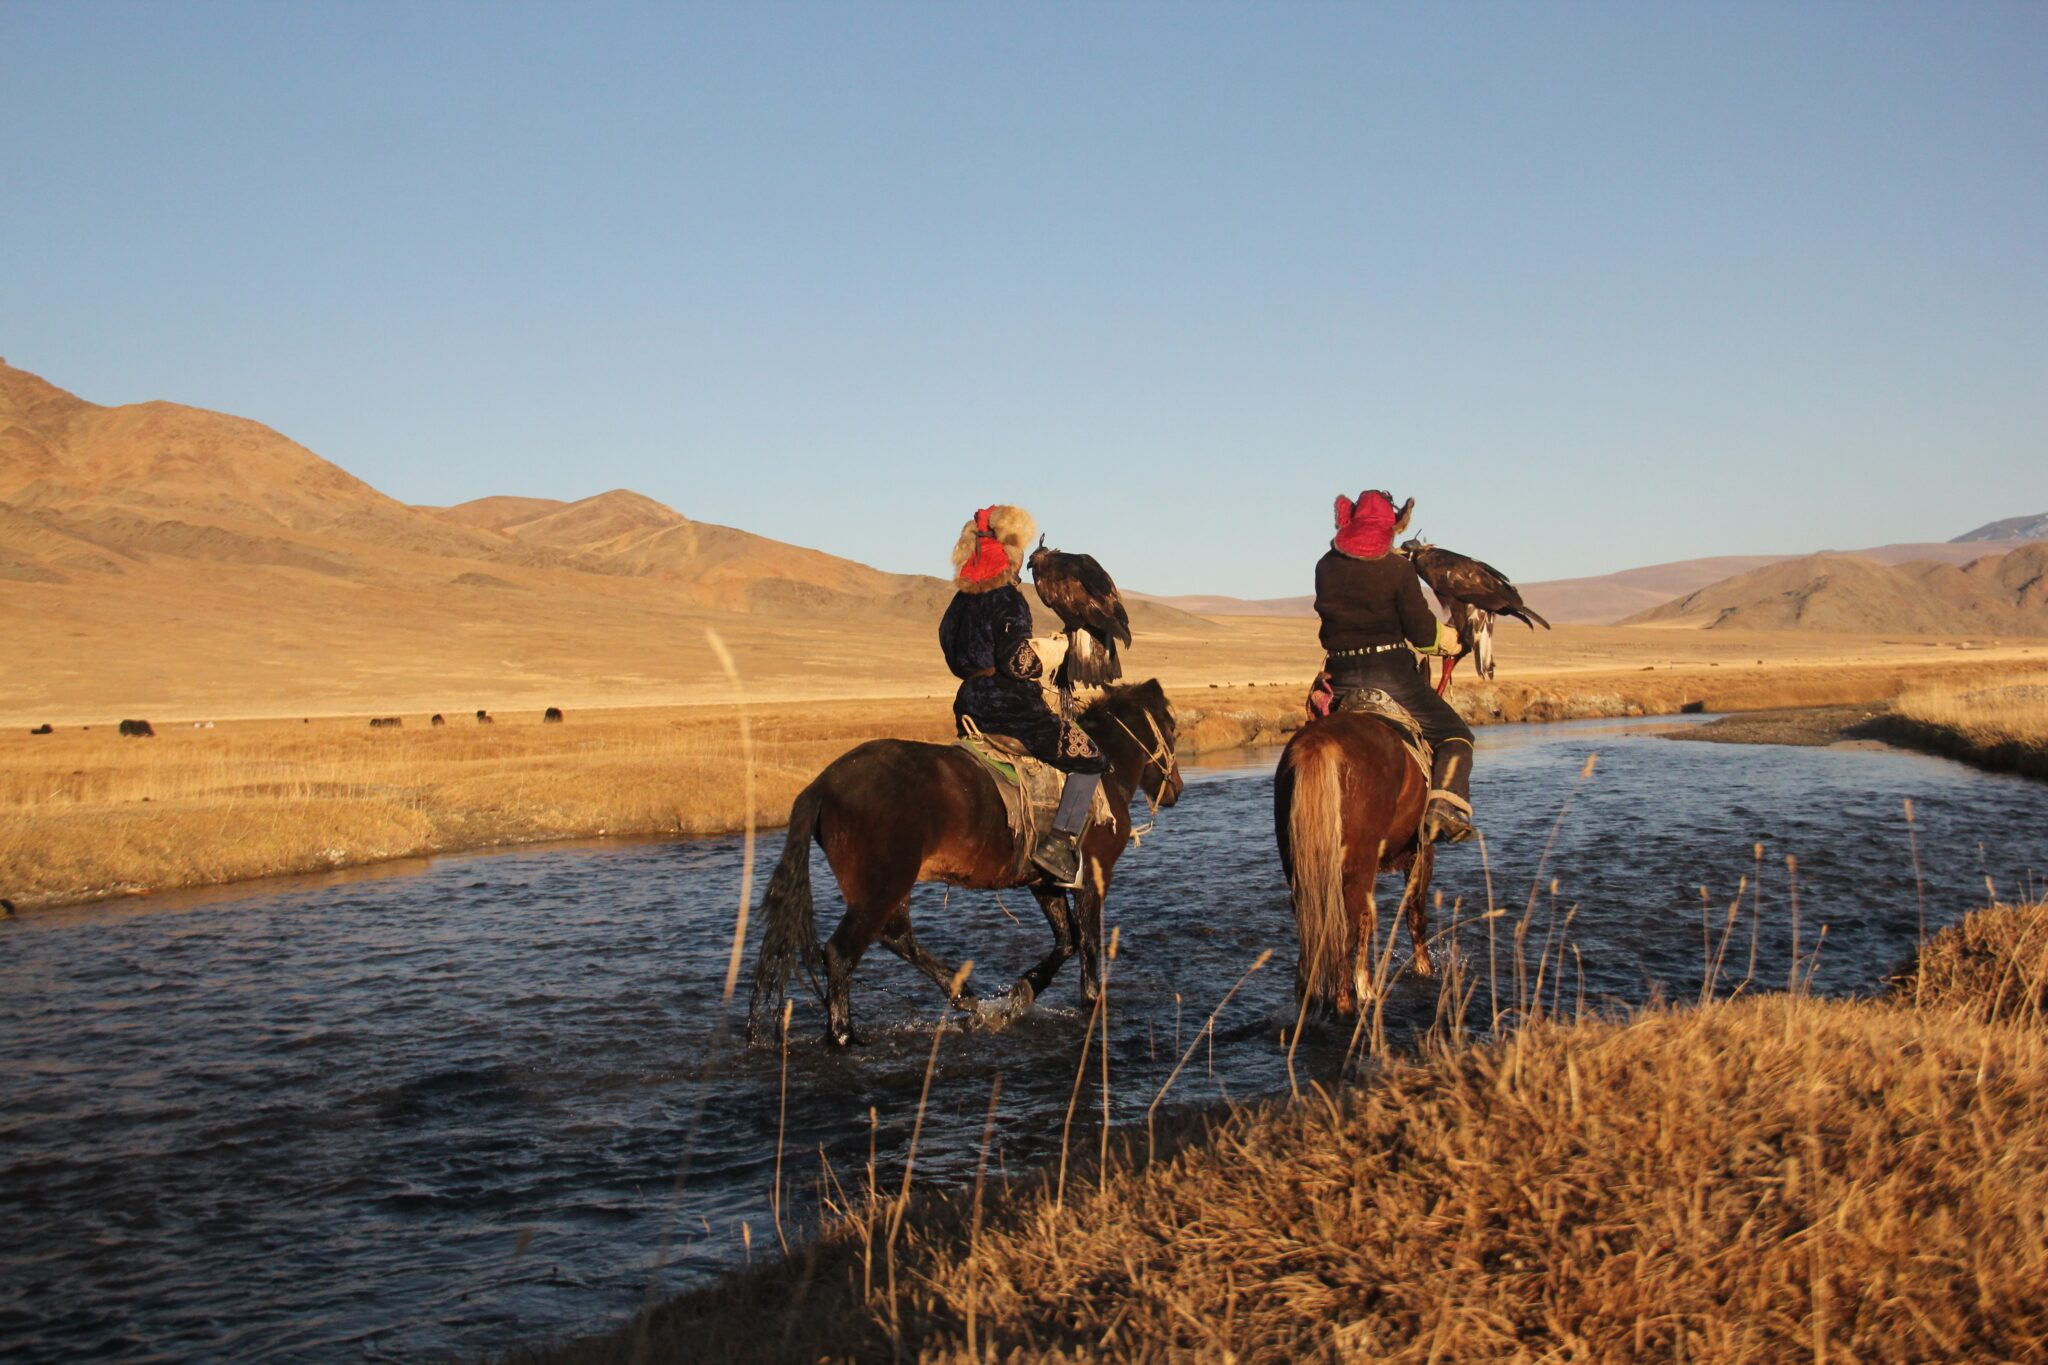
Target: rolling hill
(1997, 594)
(169, 555)
(1607, 599)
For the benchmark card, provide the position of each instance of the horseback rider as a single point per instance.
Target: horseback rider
(1374, 621)
(986, 636)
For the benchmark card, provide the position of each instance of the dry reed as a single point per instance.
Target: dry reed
(1763, 1177)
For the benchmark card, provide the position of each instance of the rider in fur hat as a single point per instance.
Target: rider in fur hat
(1374, 619)
(986, 636)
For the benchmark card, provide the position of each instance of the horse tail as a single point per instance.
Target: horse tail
(1315, 838)
(790, 934)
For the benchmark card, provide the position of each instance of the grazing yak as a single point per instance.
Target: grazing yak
(437, 721)
(141, 729)
(552, 716)
(42, 730)
(484, 718)
(387, 723)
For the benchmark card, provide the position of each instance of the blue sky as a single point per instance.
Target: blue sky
(1600, 285)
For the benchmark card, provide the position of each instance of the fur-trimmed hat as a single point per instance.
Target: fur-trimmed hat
(1366, 528)
(990, 551)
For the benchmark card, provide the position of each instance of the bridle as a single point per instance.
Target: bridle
(1159, 754)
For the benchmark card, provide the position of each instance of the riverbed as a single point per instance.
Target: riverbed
(446, 1109)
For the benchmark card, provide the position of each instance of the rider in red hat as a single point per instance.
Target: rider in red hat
(986, 636)
(1374, 621)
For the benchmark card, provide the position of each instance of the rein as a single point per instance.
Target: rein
(1159, 754)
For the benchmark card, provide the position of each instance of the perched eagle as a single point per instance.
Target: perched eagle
(1086, 601)
(1473, 594)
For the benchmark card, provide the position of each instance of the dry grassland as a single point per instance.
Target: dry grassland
(85, 814)
(2002, 725)
(1773, 1177)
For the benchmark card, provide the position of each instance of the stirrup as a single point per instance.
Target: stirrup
(1447, 819)
(1060, 859)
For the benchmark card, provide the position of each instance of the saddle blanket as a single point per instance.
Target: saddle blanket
(1030, 788)
(1372, 701)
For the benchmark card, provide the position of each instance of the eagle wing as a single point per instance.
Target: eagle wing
(1081, 593)
(1460, 578)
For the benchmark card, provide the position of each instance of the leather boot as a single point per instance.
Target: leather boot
(1059, 853)
(1447, 819)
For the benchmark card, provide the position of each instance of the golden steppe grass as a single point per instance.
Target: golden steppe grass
(2002, 725)
(85, 814)
(1765, 1177)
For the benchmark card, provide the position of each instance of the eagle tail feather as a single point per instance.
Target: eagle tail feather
(1091, 663)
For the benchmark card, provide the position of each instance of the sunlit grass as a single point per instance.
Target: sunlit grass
(2000, 724)
(87, 813)
(1764, 1177)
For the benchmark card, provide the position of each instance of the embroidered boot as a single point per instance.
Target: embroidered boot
(1059, 854)
(1447, 819)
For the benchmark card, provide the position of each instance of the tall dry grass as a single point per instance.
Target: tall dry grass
(2001, 725)
(1771, 1177)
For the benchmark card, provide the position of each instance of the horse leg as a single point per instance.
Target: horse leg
(898, 937)
(1362, 903)
(842, 954)
(1414, 903)
(1059, 913)
(1088, 928)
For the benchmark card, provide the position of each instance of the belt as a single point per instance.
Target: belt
(1366, 649)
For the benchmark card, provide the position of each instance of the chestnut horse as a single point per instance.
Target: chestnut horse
(892, 813)
(1347, 800)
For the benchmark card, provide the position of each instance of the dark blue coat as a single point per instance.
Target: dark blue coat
(986, 637)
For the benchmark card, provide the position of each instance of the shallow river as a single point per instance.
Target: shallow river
(445, 1110)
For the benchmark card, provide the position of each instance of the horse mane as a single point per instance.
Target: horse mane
(1126, 703)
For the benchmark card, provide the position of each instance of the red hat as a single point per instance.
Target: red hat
(1366, 528)
(990, 551)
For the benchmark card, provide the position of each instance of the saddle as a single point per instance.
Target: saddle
(1030, 788)
(1326, 700)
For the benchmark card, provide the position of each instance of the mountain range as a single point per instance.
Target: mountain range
(155, 549)
(2001, 594)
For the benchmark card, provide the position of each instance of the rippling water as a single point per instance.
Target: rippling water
(445, 1110)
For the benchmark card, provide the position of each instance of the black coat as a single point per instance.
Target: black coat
(1371, 602)
(986, 637)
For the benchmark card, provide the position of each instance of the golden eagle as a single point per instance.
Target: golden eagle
(1083, 597)
(1472, 594)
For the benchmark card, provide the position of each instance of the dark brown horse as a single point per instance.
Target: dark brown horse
(1347, 799)
(892, 813)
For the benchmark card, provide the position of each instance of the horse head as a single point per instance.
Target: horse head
(1134, 725)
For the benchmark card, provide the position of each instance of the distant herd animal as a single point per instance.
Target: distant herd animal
(142, 729)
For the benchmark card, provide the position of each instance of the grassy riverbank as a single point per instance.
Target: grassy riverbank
(85, 814)
(2001, 726)
(1768, 1177)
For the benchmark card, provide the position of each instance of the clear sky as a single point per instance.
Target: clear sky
(1602, 285)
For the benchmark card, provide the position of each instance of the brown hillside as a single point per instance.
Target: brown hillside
(162, 479)
(158, 557)
(1999, 594)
